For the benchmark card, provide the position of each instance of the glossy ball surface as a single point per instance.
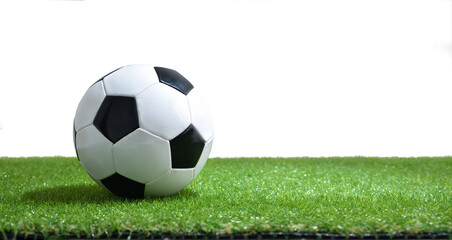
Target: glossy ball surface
(143, 131)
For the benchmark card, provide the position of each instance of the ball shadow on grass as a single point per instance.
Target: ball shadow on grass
(90, 193)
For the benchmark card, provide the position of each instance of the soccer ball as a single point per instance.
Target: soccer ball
(142, 131)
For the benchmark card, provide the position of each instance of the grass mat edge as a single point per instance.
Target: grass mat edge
(203, 231)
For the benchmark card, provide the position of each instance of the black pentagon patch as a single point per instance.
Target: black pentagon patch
(117, 117)
(186, 148)
(123, 186)
(174, 80)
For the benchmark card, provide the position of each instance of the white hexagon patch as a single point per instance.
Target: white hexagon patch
(88, 106)
(169, 183)
(200, 115)
(130, 80)
(164, 111)
(95, 152)
(142, 156)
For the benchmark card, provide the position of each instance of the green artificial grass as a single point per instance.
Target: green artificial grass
(337, 195)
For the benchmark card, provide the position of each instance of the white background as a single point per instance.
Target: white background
(282, 78)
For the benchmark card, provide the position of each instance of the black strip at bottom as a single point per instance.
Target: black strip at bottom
(263, 236)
